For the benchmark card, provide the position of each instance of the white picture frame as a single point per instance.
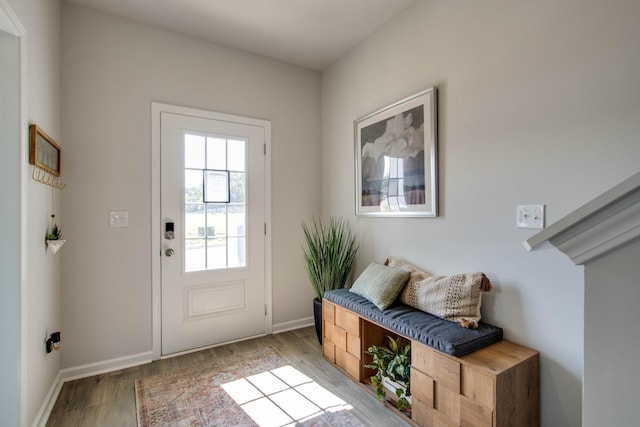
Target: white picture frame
(396, 159)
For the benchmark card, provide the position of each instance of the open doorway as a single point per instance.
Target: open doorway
(12, 135)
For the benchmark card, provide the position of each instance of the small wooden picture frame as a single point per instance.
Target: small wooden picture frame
(43, 151)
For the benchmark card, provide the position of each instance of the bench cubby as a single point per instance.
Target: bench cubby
(495, 386)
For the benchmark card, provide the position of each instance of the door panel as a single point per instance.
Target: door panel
(213, 262)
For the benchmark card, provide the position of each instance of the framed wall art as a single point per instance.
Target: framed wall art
(396, 159)
(44, 152)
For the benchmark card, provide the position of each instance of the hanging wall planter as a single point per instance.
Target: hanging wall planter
(55, 245)
(54, 236)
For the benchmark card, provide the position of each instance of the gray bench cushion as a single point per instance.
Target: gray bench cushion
(443, 335)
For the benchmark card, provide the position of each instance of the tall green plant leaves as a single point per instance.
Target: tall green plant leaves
(330, 254)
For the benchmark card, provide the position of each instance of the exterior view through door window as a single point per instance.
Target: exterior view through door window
(214, 202)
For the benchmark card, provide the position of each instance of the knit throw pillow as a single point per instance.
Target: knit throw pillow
(456, 298)
(416, 274)
(380, 284)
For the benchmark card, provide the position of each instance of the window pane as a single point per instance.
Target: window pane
(393, 204)
(217, 219)
(193, 183)
(237, 187)
(393, 188)
(236, 252)
(215, 233)
(236, 155)
(193, 151)
(216, 253)
(216, 153)
(194, 221)
(194, 255)
(237, 220)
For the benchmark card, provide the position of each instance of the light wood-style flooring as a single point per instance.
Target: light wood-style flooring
(109, 399)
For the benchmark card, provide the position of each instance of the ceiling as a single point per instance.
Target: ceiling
(309, 33)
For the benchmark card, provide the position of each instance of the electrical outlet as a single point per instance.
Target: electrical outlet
(53, 342)
(530, 216)
(118, 218)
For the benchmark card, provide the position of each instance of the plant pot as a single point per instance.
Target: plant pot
(317, 317)
(392, 386)
(55, 245)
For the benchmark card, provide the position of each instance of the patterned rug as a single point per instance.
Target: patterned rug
(257, 388)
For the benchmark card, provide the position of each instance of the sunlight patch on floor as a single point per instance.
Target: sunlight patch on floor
(283, 397)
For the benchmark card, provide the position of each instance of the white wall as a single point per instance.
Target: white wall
(612, 338)
(41, 293)
(539, 103)
(112, 70)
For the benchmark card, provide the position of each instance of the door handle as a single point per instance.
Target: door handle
(169, 252)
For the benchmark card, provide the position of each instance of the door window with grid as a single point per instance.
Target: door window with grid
(214, 202)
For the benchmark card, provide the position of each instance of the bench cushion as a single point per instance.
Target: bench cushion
(443, 335)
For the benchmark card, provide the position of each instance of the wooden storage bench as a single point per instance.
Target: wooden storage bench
(494, 386)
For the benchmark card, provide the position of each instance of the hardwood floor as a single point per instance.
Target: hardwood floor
(109, 399)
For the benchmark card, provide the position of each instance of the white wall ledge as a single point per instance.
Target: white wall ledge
(602, 225)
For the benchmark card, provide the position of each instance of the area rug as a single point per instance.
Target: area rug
(256, 388)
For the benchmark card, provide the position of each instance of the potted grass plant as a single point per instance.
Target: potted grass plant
(330, 253)
(393, 370)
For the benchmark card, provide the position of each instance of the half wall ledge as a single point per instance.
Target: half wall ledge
(609, 221)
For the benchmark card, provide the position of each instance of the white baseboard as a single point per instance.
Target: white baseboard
(294, 324)
(47, 405)
(69, 374)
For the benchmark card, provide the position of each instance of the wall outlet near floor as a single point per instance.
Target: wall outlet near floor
(530, 216)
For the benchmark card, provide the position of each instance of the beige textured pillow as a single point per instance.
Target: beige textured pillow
(456, 298)
(416, 274)
(380, 284)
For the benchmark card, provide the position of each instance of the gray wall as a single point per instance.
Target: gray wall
(112, 70)
(612, 338)
(539, 103)
(10, 218)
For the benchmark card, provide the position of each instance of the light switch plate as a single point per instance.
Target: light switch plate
(118, 218)
(530, 216)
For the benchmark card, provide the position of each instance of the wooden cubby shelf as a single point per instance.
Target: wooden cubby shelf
(497, 386)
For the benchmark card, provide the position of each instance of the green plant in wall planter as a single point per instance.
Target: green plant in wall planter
(393, 370)
(329, 254)
(55, 233)
(54, 236)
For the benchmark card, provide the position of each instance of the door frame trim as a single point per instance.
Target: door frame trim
(156, 232)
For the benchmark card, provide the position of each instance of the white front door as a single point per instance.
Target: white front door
(212, 203)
